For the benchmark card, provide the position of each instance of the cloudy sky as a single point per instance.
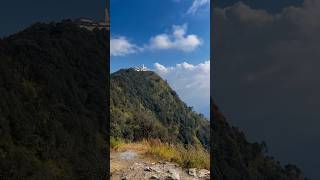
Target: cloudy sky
(266, 76)
(170, 37)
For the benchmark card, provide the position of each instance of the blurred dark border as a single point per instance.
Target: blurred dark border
(212, 161)
(106, 164)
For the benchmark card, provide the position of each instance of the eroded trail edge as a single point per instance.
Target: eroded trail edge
(133, 164)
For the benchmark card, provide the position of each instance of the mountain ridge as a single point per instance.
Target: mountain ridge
(236, 158)
(147, 96)
(52, 106)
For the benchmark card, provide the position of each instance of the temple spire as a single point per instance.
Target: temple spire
(107, 17)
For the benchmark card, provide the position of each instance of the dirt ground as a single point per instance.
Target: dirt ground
(132, 163)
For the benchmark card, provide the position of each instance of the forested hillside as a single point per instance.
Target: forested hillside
(236, 158)
(53, 85)
(143, 106)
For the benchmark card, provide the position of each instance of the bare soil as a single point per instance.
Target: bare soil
(133, 164)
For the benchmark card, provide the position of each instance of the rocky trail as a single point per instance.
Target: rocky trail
(134, 165)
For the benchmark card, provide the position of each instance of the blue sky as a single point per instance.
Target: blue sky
(171, 37)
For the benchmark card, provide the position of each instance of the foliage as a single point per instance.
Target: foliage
(235, 158)
(186, 156)
(143, 106)
(115, 142)
(52, 106)
(189, 157)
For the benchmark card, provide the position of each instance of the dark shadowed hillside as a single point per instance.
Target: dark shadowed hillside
(235, 158)
(143, 106)
(53, 85)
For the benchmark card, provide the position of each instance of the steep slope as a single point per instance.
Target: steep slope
(52, 107)
(235, 158)
(144, 106)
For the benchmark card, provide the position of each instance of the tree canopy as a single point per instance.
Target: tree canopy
(53, 85)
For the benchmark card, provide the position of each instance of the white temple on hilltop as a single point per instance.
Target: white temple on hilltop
(143, 68)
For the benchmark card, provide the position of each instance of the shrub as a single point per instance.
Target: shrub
(189, 157)
(115, 142)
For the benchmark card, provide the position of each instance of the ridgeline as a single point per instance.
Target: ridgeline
(236, 158)
(143, 106)
(53, 87)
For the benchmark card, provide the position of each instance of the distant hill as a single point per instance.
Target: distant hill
(53, 85)
(142, 106)
(236, 158)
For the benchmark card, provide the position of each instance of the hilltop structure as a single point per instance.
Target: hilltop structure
(107, 20)
(90, 24)
(143, 68)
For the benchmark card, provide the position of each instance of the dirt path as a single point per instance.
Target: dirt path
(132, 164)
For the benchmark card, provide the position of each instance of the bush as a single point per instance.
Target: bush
(115, 142)
(188, 157)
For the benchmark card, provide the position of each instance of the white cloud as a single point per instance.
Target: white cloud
(179, 39)
(196, 5)
(121, 46)
(191, 82)
(267, 73)
(246, 14)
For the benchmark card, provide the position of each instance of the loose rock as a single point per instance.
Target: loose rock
(140, 169)
(174, 174)
(202, 173)
(192, 172)
(154, 177)
(147, 169)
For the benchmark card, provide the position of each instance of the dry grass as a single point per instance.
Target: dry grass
(189, 157)
(137, 147)
(122, 145)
